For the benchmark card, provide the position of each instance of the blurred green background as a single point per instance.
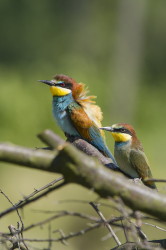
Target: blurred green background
(118, 49)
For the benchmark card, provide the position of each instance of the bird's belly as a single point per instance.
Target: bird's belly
(64, 122)
(124, 164)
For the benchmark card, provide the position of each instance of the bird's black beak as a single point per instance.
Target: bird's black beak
(50, 83)
(107, 129)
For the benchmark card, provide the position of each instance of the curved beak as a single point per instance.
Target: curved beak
(50, 83)
(107, 129)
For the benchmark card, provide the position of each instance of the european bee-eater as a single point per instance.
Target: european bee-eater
(76, 113)
(129, 153)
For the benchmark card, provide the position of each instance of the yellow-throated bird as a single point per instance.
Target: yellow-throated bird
(129, 153)
(76, 113)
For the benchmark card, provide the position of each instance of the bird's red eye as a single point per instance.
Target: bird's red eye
(62, 84)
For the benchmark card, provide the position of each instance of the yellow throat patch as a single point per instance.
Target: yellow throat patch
(58, 91)
(121, 137)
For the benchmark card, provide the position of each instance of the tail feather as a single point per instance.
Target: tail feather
(150, 184)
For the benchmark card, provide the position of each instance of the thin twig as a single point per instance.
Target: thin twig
(60, 231)
(149, 224)
(49, 236)
(106, 223)
(97, 221)
(26, 201)
(108, 236)
(69, 236)
(15, 209)
(19, 216)
(61, 214)
(125, 232)
(84, 202)
(65, 212)
(129, 228)
(155, 180)
(15, 239)
(138, 226)
(50, 184)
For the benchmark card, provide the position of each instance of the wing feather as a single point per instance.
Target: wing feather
(80, 121)
(140, 163)
(88, 129)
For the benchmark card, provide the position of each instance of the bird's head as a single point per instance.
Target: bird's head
(122, 132)
(62, 85)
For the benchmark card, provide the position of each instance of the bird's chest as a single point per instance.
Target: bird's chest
(122, 156)
(60, 107)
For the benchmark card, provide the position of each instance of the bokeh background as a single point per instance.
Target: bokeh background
(118, 48)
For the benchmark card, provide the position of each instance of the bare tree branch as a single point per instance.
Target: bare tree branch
(16, 240)
(79, 168)
(55, 142)
(106, 223)
(21, 221)
(156, 245)
(59, 215)
(29, 199)
(149, 224)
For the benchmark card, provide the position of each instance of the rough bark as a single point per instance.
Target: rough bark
(77, 167)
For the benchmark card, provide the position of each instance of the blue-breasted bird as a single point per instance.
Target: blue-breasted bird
(129, 153)
(76, 113)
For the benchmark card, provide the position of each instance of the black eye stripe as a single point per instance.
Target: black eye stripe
(122, 130)
(64, 85)
(68, 85)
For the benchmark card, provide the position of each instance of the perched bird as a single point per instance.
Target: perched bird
(76, 113)
(129, 153)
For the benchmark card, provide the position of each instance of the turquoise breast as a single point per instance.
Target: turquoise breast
(60, 104)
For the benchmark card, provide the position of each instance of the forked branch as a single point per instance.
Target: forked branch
(77, 167)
